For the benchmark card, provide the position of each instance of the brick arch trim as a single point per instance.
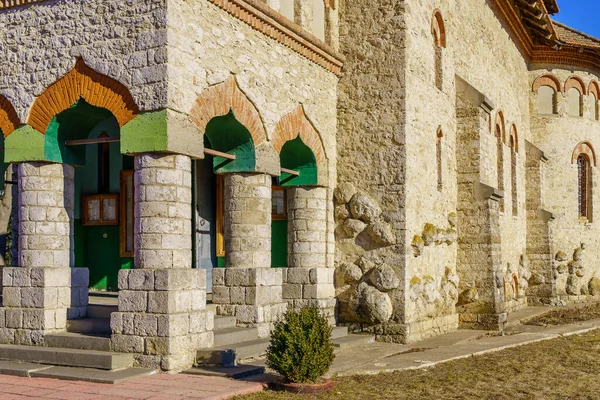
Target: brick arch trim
(9, 120)
(595, 89)
(294, 124)
(586, 148)
(222, 98)
(514, 136)
(575, 82)
(438, 29)
(500, 123)
(82, 82)
(547, 80)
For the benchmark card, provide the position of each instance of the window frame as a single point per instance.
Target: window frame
(125, 174)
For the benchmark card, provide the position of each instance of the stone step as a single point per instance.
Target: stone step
(224, 322)
(350, 341)
(229, 336)
(101, 311)
(66, 357)
(92, 375)
(339, 332)
(233, 354)
(70, 340)
(237, 372)
(98, 326)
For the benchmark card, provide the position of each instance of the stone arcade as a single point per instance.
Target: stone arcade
(407, 166)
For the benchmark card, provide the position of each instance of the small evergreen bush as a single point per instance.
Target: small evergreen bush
(301, 349)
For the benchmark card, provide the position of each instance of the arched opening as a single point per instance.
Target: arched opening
(438, 158)
(500, 162)
(224, 134)
(438, 32)
(318, 22)
(594, 107)
(574, 99)
(513, 176)
(584, 187)
(546, 100)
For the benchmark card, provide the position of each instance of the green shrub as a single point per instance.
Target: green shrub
(301, 349)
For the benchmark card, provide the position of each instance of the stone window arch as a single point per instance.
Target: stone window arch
(575, 90)
(439, 158)
(546, 87)
(594, 91)
(438, 32)
(584, 156)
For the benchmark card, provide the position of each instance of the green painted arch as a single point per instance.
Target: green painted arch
(76, 122)
(297, 156)
(226, 134)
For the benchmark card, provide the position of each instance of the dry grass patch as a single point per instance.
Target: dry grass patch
(563, 316)
(564, 368)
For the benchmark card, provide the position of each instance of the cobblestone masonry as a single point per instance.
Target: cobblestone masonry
(43, 290)
(162, 303)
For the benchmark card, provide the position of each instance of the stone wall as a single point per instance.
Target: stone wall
(557, 136)
(123, 40)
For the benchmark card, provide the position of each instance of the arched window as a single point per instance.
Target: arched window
(574, 102)
(584, 187)
(594, 91)
(546, 100)
(438, 158)
(513, 175)
(500, 162)
(438, 31)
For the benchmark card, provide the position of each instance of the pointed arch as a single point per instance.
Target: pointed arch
(297, 124)
(9, 120)
(438, 29)
(220, 100)
(82, 82)
(547, 80)
(586, 148)
(575, 82)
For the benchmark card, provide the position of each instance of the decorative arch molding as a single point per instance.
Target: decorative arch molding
(297, 124)
(438, 29)
(514, 136)
(577, 83)
(500, 123)
(82, 82)
(223, 98)
(586, 148)
(595, 89)
(9, 119)
(547, 80)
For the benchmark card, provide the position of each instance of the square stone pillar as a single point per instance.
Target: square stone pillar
(308, 281)
(162, 302)
(248, 288)
(43, 290)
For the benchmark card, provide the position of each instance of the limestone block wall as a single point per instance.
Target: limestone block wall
(124, 40)
(558, 136)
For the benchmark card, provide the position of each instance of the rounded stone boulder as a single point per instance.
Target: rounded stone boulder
(384, 278)
(374, 306)
(382, 233)
(344, 192)
(364, 208)
(469, 295)
(594, 286)
(352, 227)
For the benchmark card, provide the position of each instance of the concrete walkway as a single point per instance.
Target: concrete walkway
(155, 387)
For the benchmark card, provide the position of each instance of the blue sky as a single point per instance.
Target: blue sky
(581, 15)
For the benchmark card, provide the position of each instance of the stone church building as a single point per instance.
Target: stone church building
(410, 167)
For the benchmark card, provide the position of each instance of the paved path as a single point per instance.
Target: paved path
(155, 387)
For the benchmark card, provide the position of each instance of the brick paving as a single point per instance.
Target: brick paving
(160, 386)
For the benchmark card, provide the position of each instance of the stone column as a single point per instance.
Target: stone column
(308, 281)
(43, 290)
(248, 288)
(162, 302)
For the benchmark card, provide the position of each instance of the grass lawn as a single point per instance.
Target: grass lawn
(562, 316)
(564, 368)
